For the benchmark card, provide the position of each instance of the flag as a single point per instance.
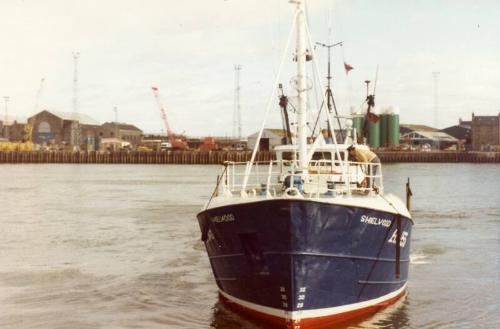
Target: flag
(347, 67)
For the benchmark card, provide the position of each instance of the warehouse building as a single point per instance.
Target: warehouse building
(61, 128)
(269, 139)
(462, 132)
(122, 131)
(425, 137)
(485, 132)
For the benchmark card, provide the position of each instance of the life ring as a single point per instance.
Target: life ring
(292, 192)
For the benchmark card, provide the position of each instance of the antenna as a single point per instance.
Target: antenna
(436, 100)
(115, 109)
(38, 95)
(367, 87)
(329, 95)
(376, 79)
(75, 138)
(436, 104)
(76, 55)
(237, 105)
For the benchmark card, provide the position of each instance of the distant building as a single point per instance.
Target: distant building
(422, 136)
(464, 123)
(123, 131)
(194, 143)
(485, 132)
(112, 144)
(12, 131)
(406, 128)
(462, 132)
(269, 139)
(229, 143)
(57, 128)
(16, 131)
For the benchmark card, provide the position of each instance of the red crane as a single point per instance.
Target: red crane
(176, 143)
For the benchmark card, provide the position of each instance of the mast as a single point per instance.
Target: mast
(329, 94)
(302, 85)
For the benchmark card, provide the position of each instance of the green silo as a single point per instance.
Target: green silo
(393, 127)
(384, 128)
(358, 121)
(374, 134)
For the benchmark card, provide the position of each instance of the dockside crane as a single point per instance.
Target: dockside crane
(175, 142)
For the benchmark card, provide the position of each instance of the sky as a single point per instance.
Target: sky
(188, 49)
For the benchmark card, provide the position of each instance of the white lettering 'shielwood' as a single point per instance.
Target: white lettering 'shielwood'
(223, 218)
(375, 221)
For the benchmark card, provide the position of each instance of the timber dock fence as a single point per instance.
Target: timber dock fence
(169, 157)
(219, 157)
(445, 156)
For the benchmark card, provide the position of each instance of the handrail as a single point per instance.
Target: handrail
(322, 175)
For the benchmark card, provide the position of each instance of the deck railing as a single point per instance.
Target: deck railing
(324, 178)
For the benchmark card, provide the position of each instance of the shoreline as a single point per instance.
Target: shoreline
(219, 157)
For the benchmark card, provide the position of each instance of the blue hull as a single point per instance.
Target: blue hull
(299, 255)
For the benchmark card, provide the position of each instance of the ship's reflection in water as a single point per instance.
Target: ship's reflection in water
(225, 318)
(394, 316)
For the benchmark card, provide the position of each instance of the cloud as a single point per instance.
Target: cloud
(188, 49)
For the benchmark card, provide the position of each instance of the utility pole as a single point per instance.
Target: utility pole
(74, 140)
(6, 100)
(115, 109)
(76, 55)
(436, 102)
(237, 105)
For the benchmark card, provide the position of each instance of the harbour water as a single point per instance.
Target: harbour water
(118, 246)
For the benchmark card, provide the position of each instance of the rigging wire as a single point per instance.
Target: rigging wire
(315, 66)
(271, 100)
(317, 119)
(316, 91)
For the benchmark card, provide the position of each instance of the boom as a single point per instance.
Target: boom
(176, 142)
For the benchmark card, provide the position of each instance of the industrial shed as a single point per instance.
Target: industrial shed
(270, 138)
(422, 136)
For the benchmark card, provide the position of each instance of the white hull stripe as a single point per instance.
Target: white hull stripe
(304, 314)
(388, 203)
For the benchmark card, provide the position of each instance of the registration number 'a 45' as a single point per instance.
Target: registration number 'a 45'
(402, 242)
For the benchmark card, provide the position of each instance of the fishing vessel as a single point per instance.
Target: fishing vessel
(309, 238)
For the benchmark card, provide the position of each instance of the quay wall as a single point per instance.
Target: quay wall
(168, 157)
(444, 156)
(219, 157)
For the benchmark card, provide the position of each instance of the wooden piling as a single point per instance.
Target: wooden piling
(219, 157)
